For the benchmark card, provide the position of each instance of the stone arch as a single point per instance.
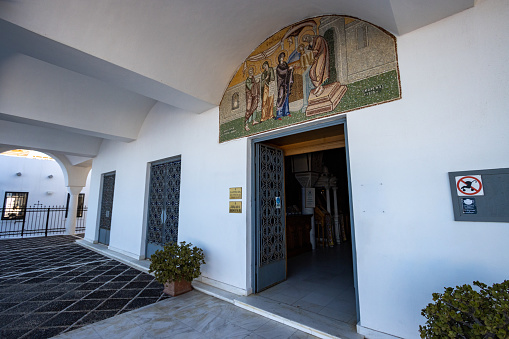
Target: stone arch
(75, 179)
(74, 175)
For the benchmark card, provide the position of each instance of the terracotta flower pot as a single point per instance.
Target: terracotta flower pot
(175, 288)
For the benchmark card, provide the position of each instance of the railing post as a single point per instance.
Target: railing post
(24, 217)
(47, 222)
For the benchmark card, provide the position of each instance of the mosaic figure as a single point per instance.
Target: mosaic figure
(319, 71)
(306, 60)
(252, 94)
(284, 75)
(295, 55)
(267, 99)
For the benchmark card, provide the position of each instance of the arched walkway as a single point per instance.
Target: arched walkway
(75, 178)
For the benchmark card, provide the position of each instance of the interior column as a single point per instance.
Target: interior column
(336, 215)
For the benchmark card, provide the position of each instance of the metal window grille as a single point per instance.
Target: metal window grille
(15, 204)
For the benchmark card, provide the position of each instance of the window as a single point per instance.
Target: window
(235, 101)
(81, 204)
(15, 204)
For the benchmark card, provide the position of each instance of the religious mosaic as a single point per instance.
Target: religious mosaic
(320, 66)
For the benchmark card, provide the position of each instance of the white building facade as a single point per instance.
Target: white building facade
(453, 116)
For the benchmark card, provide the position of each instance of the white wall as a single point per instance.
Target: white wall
(34, 180)
(208, 171)
(453, 117)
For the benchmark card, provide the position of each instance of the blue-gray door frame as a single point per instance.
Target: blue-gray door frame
(290, 131)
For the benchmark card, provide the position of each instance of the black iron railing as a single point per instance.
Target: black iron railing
(37, 221)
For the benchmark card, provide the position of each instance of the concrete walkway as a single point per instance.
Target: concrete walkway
(282, 320)
(192, 315)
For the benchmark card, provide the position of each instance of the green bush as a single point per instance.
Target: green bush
(465, 312)
(177, 262)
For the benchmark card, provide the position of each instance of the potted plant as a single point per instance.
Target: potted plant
(481, 311)
(176, 265)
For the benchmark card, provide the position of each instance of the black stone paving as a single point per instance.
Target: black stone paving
(51, 285)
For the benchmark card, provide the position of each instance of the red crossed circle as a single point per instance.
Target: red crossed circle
(476, 190)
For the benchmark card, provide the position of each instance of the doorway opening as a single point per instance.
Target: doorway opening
(316, 275)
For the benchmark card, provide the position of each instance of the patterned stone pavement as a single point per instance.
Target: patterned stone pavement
(55, 287)
(52, 285)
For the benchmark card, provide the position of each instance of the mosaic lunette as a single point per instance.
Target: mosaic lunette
(317, 67)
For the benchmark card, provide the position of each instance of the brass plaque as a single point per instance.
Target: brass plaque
(235, 206)
(235, 192)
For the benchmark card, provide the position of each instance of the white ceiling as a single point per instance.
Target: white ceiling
(180, 52)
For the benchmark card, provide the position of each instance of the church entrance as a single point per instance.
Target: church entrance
(304, 249)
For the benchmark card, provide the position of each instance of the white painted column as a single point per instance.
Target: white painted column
(336, 215)
(309, 211)
(70, 222)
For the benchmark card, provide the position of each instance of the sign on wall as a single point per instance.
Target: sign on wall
(468, 185)
(235, 192)
(317, 67)
(480, 195)
(310, 197)
(235, 207)
(469, 206)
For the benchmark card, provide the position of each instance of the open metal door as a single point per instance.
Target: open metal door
(270, 217)
(106, 208)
